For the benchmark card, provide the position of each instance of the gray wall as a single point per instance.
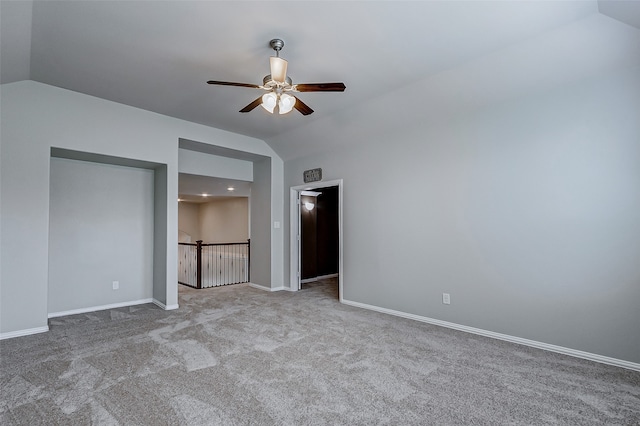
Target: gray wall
(163, 242)
(199, 163)
(36, 117)
(94, 209)
(526, 212)
(261, 224)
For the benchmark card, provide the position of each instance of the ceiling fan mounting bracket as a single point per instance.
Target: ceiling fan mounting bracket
(276, 44)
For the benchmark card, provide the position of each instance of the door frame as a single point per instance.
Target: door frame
(294, 232)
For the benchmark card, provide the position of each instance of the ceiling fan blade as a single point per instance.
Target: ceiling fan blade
(320, 87)
(229, 83)
(252, 105)
(302, 107)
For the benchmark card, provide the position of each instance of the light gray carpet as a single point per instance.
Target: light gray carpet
(241, 356)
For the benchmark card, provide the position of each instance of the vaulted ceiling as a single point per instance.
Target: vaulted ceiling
(402, 62)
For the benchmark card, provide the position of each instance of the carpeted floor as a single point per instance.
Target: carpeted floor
(241, 356)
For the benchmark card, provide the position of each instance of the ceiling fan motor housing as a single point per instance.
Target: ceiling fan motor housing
(267, 81)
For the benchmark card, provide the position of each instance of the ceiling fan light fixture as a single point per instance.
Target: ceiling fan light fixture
(286, 103)
(277, 84)
(278, 69)
(269, 101)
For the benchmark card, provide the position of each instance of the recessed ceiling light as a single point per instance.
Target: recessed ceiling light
(231, 188)
(205, 195)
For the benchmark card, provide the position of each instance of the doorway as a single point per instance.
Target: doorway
(319, 234)
(305, 204)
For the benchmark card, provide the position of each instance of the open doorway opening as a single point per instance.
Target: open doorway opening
(316, 235)
(213, 231)
(216, 161)
(319, 235)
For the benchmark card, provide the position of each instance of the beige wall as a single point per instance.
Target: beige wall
(225, 221)
(188, 220)
(218, 221)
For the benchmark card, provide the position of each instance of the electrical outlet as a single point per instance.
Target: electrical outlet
(446, 298)
(116, 285)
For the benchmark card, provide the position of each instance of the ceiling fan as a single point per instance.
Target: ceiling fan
(279, 87)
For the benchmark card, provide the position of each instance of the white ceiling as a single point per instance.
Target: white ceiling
(401, 61)
(192, 187)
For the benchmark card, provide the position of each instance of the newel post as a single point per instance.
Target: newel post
(199, 263)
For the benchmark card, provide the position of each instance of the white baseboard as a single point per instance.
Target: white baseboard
(318, 278)
(163, 306)
(261, 287)
(27, 332)
(513, 339)
(99, 308)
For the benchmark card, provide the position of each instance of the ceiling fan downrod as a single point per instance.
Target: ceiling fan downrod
(277, 45)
